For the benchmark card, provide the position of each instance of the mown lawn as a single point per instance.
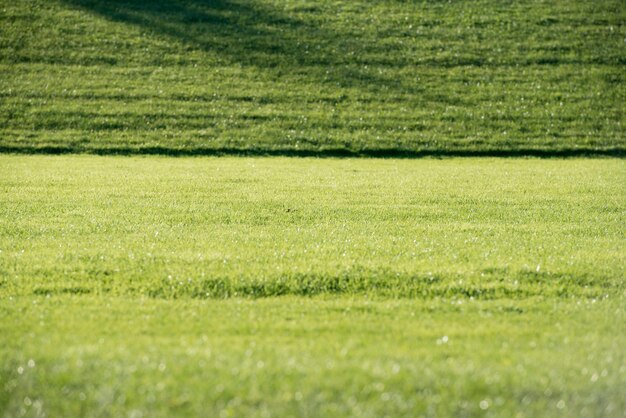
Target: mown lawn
(215, 227)
(150, 286)
(290, 77)
(153, 286)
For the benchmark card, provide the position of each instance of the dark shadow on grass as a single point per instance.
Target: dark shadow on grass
(616, 152)
(253, 33)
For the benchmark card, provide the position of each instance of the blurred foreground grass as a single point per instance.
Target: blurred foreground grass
(292, 356)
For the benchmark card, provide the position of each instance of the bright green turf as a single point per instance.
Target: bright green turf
(378, 77)
(113, 271)
(213, 227)
(311, 357)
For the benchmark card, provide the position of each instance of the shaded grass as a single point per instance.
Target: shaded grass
(616, 152)
(382, 78)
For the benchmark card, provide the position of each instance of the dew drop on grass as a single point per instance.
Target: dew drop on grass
(484, 404)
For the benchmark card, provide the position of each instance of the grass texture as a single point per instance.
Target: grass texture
(219, 227)
(259, 287)
(68, 355)
(378, 78)
(151, 286)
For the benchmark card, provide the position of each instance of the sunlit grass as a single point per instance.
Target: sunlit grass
(219, 227)
(294, 356)
(145, 286)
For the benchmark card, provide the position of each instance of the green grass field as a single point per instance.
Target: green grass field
(70, 355)
(152, 286)
(182, 235)
(169, 227)
(324, 77)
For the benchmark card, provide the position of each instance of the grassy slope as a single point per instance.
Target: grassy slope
(225, 226)
(287, 76)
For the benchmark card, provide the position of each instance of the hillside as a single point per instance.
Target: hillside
(318, 78)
